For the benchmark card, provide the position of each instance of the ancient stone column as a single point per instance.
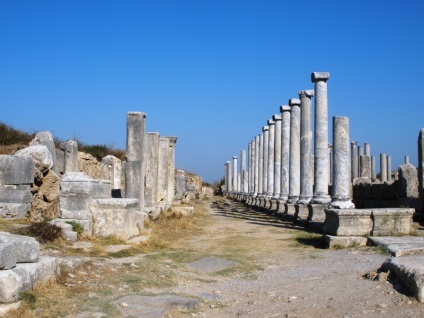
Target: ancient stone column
(306, 165)
(243, 173)
(341, 196)
(389, 169)
(383, 167)
(294, 172)
(170, 183)
(321, 138)
(421, 162)
(152, 169)
(181, 186)
(373, 169)
(257, 164)
(111, 170)
(365, 166)
(285, 151)
(360, 153)
(228, 179)
(162, 170)
(235, 182)
(406, 160)
(265, 162)
(135, 154)
(367, 148)
(354, 151)
(277, 156)
(271, 141)
(330, 169)
(249, 168)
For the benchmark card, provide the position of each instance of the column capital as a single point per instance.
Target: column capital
(271, 122)
(172, 139)
(294, 102)
(308, 93)
(320, 76)
(234, 157)
(265, 128)
(276, 117)
(354, 143)
(284, 108)
(142, 114)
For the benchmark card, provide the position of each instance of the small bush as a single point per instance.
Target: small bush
(43, 231)
(28, 298)
(76, 227)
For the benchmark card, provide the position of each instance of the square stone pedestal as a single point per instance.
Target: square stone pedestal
(392, 221)
(301, 212)
(281, 208)
(348, 222)
(274, 205)
(290, 209)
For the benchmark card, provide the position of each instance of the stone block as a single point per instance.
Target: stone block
(182, 210)
(8, 195)
(79, 182)
(290, 209)
(14, 210)
(408, 181)
(7, 256)
(409, 270)
(331, 241)
(26, 248)
(274, 205)
(400, 245)
(317, 212)
(281, 208)
(25, 276)
(347, 222)
(392, 221)
(115, 217)
(301, 211)
(16, 170)
(40, 155)
(75, 206)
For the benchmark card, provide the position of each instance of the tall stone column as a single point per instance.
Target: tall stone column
(243, 173)
(261, 165)
(265, 162)
(277, 156)
(354, 151)
(360, 153)
(162, 171)
(367, 148)
(170, 184)
(406, 160)
(271, 140)
(257, 164)
(135, 154)
(249, 168)
(228, 179)
(294, 172)
(330, 169)
(306, 164)
(235, 189)
(383, 167)
(285, 151)
(373, 169)
(389, 169)
(321, 138)
(152, 169)
(341, 196)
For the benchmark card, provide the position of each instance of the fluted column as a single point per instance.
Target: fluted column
(277, 156)
(306, 164)
(261, 165)
(250, 158)
(321, 138)
(271, 137)
(285, 152)
(265, 162)
(341, 196)
(235, 182)
(294, 172)
(256, 166)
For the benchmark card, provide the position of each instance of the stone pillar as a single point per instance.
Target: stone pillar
(321, 138)
(162, 170)
(249, 168)
(365, 166)
(68, 154)
(235, 182)
(277, 156)
(257, 164)
(294, 172)
(228, 179)
(243, 173)
(367, 149)
(383, 167)
(341, 196)
(389, 169)
(271, 141)
(421, 162)
(406, 160)
(238, 182)
(181, 187)
(265, 163)
(285, 151)
(111, 170)
(330, 169)
(373, 169)
(135, 153)
(354, 160)
(170, 183)
(152, 169)
(306, 165)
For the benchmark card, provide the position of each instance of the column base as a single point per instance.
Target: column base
(341, 204)
(290, 209)
(293, 199)
(304, 200)
(274, 204)
(281, 207)
(301, 212)
(321, 199)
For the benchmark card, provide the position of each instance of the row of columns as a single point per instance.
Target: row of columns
(285, 164)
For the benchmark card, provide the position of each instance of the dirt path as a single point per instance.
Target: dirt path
(244, 264)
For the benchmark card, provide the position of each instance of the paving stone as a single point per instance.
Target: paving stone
(331, 241)
(402, 245)
(212, 264)
(26, 248)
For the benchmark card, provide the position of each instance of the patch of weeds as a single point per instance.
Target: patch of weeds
(43, 231)
(381, 249)
(125, 253)
(76, 227)
(110, 240)
(28, 297)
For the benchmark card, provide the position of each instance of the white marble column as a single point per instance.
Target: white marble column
(270, 175)
(321, 138)
(243, 173)
(373, 169)
(367, 148)
(249, 169)
(354, 151)
(406, 160)
(294, 171)
(256, 166)
(389, 169)
(285, 152)
(171, 169)
(306, 163)
(341, 196)
(261, 165)
(277, 156)
(383, 167)
(228, 179)
(265, 163)
(152, 169)
(235, 181)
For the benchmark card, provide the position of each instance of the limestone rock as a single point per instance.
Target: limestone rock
(45, 138)
(89, 165)
(41, 156)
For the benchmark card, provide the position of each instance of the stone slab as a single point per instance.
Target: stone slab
(26, 249)
(347, 222)
(409, 270)
(25, 276)
(183, 210)
(212, 264)
(16, 169)
(7, 256)
(154, 306)
(331, 241)
(14, 210)
(8, 195)
(392, 221)
(400, 246)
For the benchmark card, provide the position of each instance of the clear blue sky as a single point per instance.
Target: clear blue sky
(211, 72)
